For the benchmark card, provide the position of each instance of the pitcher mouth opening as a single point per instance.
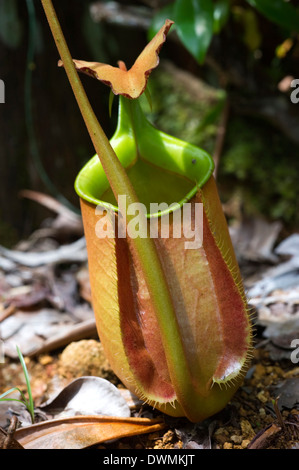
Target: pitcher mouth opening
(161, 168)
(92, 185)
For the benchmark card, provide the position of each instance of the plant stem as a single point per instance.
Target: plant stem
(115, 173)
(145, 247)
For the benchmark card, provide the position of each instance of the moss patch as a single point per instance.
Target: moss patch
(263, 166)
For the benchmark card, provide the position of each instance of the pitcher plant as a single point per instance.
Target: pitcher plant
(167, 292)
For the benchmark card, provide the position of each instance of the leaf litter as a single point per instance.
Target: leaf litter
(45, 308)
(87, 396)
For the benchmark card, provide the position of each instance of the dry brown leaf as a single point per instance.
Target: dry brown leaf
(87, 396)
(79, 432)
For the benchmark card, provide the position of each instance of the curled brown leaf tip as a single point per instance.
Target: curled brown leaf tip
(129, 83)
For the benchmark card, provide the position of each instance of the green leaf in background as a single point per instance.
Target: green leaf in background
(221, 14)
(159, 18)
(194, 21)
(279, 11)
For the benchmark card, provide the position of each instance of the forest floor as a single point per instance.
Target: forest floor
(46, 310)
(250, 420)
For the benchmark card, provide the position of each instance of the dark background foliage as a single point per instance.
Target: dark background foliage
(43, 139)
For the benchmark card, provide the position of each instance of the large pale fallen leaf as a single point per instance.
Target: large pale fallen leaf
(129, 83)
(80, 432)
(87, 396)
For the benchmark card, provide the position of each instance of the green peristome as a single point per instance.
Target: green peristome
(161, 168)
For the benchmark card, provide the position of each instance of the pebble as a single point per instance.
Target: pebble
(85, 357)
(227, 445)
(236, 439)
(244, 443)
(262, 412)
(262, 397)
(45, 360)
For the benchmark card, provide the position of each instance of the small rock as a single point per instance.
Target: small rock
(45, 360)
(261, 396)
(227, 445)
(262, 412)
(85, 357)
(244, 443)
(168, 437)
(236, 439)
